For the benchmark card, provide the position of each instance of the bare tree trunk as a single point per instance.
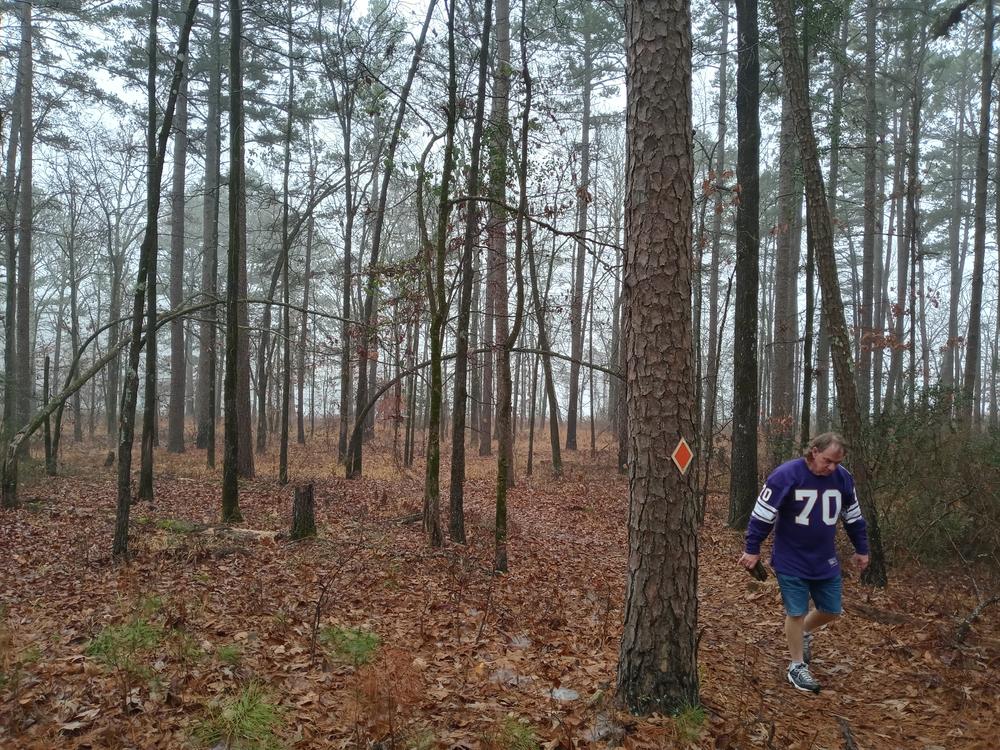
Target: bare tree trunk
(456, 519)
(743, 482)
(872, 207)
(11, 407)
(286, 313)
(582, 202)
(149, 405)
(712, 368)
(236, 356)
(781, 426)
(303, 326)
(973, 338)
(51, 467)
(126, 425)
(26, 224)
(948, 378)
(178, 364)
(207, 354)
(505, 450)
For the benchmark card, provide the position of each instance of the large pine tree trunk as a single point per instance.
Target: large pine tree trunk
(822, 228)
(658, 668)
(743, 478)
(178, 365)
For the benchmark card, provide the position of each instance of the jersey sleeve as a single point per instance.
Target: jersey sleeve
(765, 512)
(854, 522)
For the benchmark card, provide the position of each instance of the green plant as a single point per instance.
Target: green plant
(690, 721)
(177, 526)
(247, 721)
(123, 649)
(185, 647)
(422, 739)
(150, 605)
(230, 654)
(513, 734)
(352, 645)
(121, 645)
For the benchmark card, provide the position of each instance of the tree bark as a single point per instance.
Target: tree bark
(234, 435)
(456, 517)
(304, 325)
(712, 363)
(286, 313)
(744, 480)
(26, 224)
(303, 513)
(208, 338)
(781, 425)
(973, 338)
(872, 207)
(126, 425)
(178, 364)
(657, 668)
(582, 204)
(505, 449)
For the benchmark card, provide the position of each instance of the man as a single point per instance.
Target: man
(801, 501)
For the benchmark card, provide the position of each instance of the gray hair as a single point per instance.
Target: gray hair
(826, 440)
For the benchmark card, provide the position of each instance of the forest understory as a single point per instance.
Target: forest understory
(365, 637)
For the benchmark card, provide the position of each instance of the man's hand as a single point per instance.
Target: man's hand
(860, 562)
(749, 561)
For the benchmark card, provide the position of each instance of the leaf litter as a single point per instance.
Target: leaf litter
(440, 653)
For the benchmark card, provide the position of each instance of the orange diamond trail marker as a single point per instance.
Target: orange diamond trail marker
(682, 456)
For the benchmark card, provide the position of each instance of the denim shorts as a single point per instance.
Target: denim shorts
(795, 593)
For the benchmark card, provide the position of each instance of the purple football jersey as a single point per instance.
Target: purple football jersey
(803, 510)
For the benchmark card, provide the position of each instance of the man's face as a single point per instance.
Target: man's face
(824, 463)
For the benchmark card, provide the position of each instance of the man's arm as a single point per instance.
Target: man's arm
(762, 518)
(855, 526)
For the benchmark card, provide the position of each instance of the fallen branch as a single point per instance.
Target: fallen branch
(962, 632)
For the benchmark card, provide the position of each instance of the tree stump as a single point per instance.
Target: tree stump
(303, 512)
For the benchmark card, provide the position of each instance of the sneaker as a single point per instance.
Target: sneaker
(801, 679)
(807, 639)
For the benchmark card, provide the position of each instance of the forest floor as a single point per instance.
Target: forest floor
(366, 637)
